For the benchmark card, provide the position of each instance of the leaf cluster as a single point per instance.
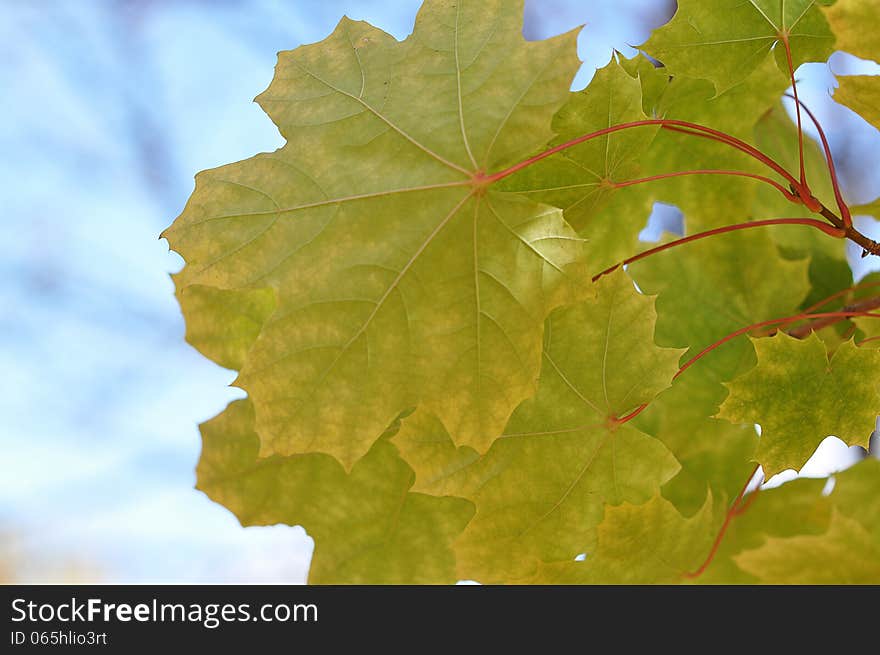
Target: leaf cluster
(448, 373)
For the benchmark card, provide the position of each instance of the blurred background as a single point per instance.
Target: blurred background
(109, 107)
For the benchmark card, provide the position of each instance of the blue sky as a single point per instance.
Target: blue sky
(109, 109)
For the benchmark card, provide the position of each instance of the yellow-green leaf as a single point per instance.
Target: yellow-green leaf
(845, 554)
(799, 396)
(796, 510)
(861, 93)
(400, 278)
(856, 24)
(715, 455)
(869, 326)
(706, 200)
(581, 179)
(776, 135)
(223, 324)
(856, 493)
(710, 288)
(726, 40)
(642, 544)
(707, 290)
(563, 457)
(367, 526)
(872, 208)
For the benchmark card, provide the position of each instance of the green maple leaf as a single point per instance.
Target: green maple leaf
(399, 278)
(706, 201)
(726, 40)
(708, 289)
(649, 543)
(574, 178)
(776, 135)
(715, 455)
(861, 93)
(845, 554)
(800, 514)
(580, 179)
(367, 526)
(800, 396)
(796, 508)
(855, 494)
(541, 489)
(856, 23)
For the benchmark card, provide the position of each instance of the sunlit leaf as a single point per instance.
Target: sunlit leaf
(726, 40)
(367, 526)
(400, 280)
(856, 24)
(564, 456)
(799, 395)
(861, 93)
(642, 544)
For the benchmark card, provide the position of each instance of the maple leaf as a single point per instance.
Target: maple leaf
(855, 489)
(856, 24)
(845, 554)
(651, 543)
(400, 277)
(861, 93)
(726, 40)
(541, 488)
(580, 179)
(869, 327)
(796, 508)
(788, 514)
(224, 323)
(437, 391)
(367, 526)
(707, 290)
(715, 455)
(789, 534)
(798, 535)
(710, 288)
(800, 396)
(707, 201)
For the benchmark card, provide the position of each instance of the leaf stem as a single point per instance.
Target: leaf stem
(662, 176)
(629, 417)
(739, 145)
(687, 127)
(732, 512)
(772, 322)
(819, 225)
(845, 214)
(787, 45)
(818, 320)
